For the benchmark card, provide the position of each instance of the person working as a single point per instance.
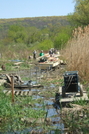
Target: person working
(41, 53)
(43, 58)
(34, 54)
(51, 52)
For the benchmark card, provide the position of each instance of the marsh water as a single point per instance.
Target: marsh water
(47, 95)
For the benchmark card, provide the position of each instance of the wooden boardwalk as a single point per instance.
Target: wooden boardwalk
(70, 97)
(74, 98)
(51, 62)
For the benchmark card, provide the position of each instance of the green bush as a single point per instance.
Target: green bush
(45, 45)
(61, 40)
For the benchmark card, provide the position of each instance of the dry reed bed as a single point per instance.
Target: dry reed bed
(20, 54)
(77, 52)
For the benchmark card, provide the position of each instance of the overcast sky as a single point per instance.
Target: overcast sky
(35, 8)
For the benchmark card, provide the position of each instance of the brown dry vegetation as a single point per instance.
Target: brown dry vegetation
(77, 52)
(15, 53)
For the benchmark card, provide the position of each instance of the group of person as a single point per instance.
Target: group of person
(41, 55)
(35, 54)
(51, 52)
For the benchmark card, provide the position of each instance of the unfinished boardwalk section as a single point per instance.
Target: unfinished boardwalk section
(75, 98)
(51, 62)
(71, 97)
(19, 93)
(48, 65)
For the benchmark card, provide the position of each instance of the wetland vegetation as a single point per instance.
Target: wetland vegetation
(39, 112)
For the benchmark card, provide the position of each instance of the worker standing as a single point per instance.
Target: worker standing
(41, 53)
(42, 59)
(34, 54)
(51, 52)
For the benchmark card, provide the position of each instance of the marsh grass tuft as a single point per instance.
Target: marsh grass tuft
(81, 102)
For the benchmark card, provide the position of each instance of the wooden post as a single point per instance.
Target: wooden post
(30, 72)
(36, 74)
(12, 87)
(39, 74)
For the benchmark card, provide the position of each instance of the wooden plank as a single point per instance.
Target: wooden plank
(46, 65)
(25, 93)
(30, 93)
(25, 86)
(17, 63)
(8, 92)
(2, 81)
(21, 93)
(5, 91)
(17, 93)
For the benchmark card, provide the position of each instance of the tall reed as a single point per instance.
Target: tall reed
(77, 52)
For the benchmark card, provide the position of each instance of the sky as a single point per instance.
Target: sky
(35, 8)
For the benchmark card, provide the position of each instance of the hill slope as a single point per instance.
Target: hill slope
(39, 22)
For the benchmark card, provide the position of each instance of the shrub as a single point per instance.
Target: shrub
(45, 45)
(61, 40)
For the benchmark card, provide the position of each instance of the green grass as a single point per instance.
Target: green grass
(12, 113)
(81, 102)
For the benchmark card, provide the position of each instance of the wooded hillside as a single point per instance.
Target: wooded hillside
(38, 22)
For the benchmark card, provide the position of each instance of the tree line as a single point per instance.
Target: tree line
(55, 36)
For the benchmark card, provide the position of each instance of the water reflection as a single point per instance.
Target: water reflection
(48, 102)
(51, 112)
(37, 97)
